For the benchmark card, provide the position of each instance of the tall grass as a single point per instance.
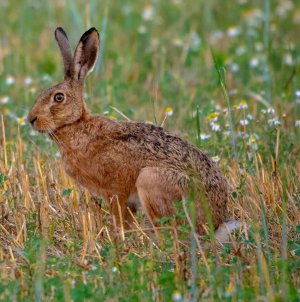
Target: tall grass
(156, 65)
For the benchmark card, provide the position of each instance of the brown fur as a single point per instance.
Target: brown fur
(121, 160)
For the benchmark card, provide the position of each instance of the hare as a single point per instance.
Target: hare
(120, 160)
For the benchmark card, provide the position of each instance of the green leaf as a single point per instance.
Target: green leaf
(234, 195)
(297, 251)
(3, 178)
(67, 192)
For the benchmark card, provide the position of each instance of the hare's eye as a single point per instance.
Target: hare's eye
(59, 97)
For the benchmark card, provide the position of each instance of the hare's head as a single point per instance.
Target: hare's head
(63, 103)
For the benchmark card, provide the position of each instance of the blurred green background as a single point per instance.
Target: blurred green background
(225, 75)
(158, 54)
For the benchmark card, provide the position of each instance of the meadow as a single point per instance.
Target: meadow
(222, 74)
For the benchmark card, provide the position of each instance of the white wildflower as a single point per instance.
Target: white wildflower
(4, 99)
(252, 142)
(242, 105)
(32, 133)
(148, 13)
(216, 158)
(274, 122)
(252, 138)
(228, 291)
(27, 81)
(297, 123)
(244, 122)
(228, 294)
(21, 121)
(204, 136)
(288, 59)
(10, 80)
(176, 296)
(234, 67)
(114, 270)
(233, 31)
(169, 111)
(215, 127)
(212, 117)
(271, 110)
(254, 62)
(254, 146)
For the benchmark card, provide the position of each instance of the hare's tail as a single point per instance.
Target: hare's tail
(223, 232)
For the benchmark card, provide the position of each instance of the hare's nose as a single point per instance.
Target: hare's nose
(33, 120)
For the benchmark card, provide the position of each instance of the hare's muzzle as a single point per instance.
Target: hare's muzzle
(32, 120)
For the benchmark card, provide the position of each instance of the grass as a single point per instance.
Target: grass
(223, 75)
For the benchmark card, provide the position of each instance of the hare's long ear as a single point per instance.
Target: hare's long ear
(85, 54)
(65, 49)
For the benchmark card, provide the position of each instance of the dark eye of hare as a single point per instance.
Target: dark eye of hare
(59, 97)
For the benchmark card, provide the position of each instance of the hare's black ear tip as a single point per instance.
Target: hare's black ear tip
(61, 31)
(88, 32)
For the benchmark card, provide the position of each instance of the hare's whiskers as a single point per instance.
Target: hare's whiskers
(55, 138)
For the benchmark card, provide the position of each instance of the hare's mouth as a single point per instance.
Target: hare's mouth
(42, 131)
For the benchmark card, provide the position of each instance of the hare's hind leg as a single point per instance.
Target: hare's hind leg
(158, 189)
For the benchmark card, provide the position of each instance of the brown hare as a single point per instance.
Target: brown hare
(120, 159)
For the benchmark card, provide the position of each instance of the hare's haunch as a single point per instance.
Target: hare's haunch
(119, 160)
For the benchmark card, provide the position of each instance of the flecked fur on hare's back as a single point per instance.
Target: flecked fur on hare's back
(123, 160)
